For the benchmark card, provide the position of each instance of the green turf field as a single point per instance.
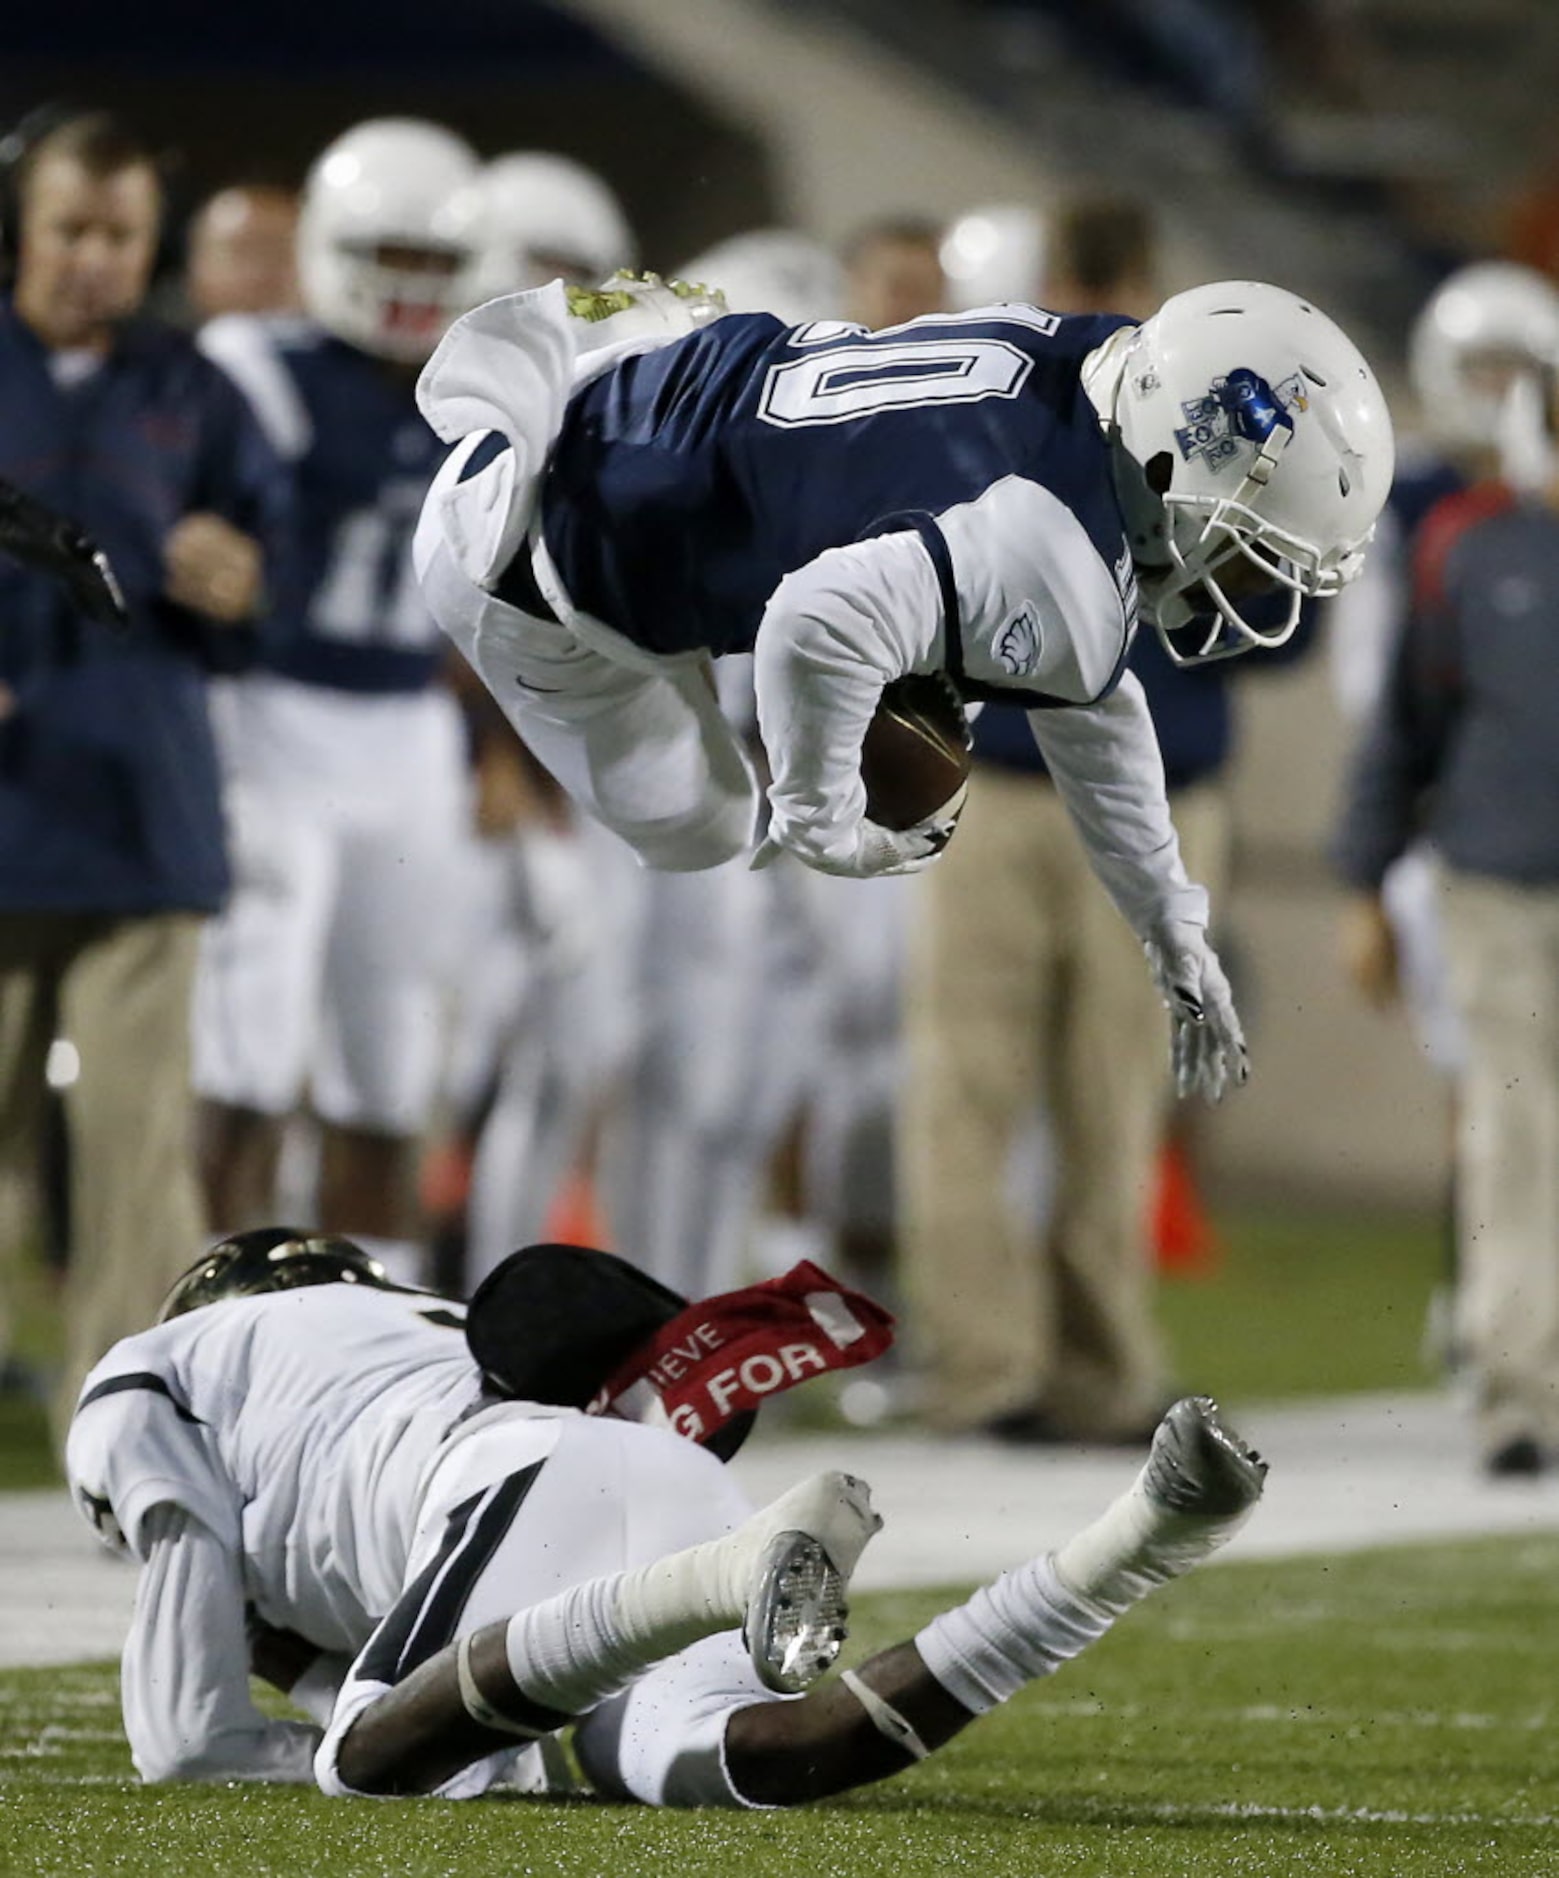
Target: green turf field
(1388, 1715)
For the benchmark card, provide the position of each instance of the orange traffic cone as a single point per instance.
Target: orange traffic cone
(1185, 1241)
(576, 1217)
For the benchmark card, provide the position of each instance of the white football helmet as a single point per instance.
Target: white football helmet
(390, 236)
(1251, 438)
(548, 216)
(995, 254)
(1482, 328)
(773, 270)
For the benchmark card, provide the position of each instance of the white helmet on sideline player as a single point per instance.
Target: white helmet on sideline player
(1251, 438)
(994, 254)
(773, 270)
(390, 234)
(1481, 329)
(548, 216)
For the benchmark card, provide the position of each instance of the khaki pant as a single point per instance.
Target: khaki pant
(1502, 944)
(119, 989)
(1026, 987)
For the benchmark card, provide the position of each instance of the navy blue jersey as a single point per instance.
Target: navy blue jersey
(109, 797)
(363, 458)
(689, 480)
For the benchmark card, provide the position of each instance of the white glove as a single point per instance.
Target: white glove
(1207, 1050)
(874, 850)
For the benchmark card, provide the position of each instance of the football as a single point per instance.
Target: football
(915, 755)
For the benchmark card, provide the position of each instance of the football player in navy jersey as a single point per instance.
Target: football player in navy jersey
(997, 494)
(345, 756)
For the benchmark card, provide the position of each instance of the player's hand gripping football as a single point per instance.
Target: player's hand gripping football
(39, 538)
(874, 850)
(1207, 1048)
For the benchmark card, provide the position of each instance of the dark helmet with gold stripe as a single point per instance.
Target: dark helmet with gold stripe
(272, 1258)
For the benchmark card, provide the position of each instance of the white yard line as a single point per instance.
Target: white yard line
(1347, 1474)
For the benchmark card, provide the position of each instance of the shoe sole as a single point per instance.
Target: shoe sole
(1200, 1465)
(797, 1619)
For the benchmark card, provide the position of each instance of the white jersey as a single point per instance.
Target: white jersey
(297, 1427)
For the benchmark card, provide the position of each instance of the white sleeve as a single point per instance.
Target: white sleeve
(1104, 759)
(185, 1671)
(1039, 607)
(833, 634)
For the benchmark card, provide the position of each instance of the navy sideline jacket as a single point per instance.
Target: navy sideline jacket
(109, 788)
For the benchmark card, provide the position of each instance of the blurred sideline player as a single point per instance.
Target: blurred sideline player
(1461, 747)
(995, 253)
(543, 1012)
(549, 218)
(1478, 357)
(448, 1564)
(345, 757)
(242, 252)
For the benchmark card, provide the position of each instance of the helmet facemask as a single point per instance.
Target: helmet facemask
(400, 298)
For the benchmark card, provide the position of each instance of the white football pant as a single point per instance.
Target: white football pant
(639, 743)
(492, 1538)
(329, 970)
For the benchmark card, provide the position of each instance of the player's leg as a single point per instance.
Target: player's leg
(389, 967)
(556, 1065)
(979, 999)
(257, 989)
(1198, 1486)
(852, 1140)
(780, 1045)
(136, 1206)
(697, 952)
(558, 1581)
(1501, 945)
(33, 952)
(640, 746)
(1107, 1070)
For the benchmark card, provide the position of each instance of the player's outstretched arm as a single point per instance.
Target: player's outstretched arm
(1104, 760)
(1199, 1485)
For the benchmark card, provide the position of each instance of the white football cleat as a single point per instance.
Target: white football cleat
(1198, 1465)
(797, 1609)
(1199, 1485)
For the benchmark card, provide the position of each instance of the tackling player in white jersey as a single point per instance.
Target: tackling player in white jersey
(318, 1472)
(991, 494)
